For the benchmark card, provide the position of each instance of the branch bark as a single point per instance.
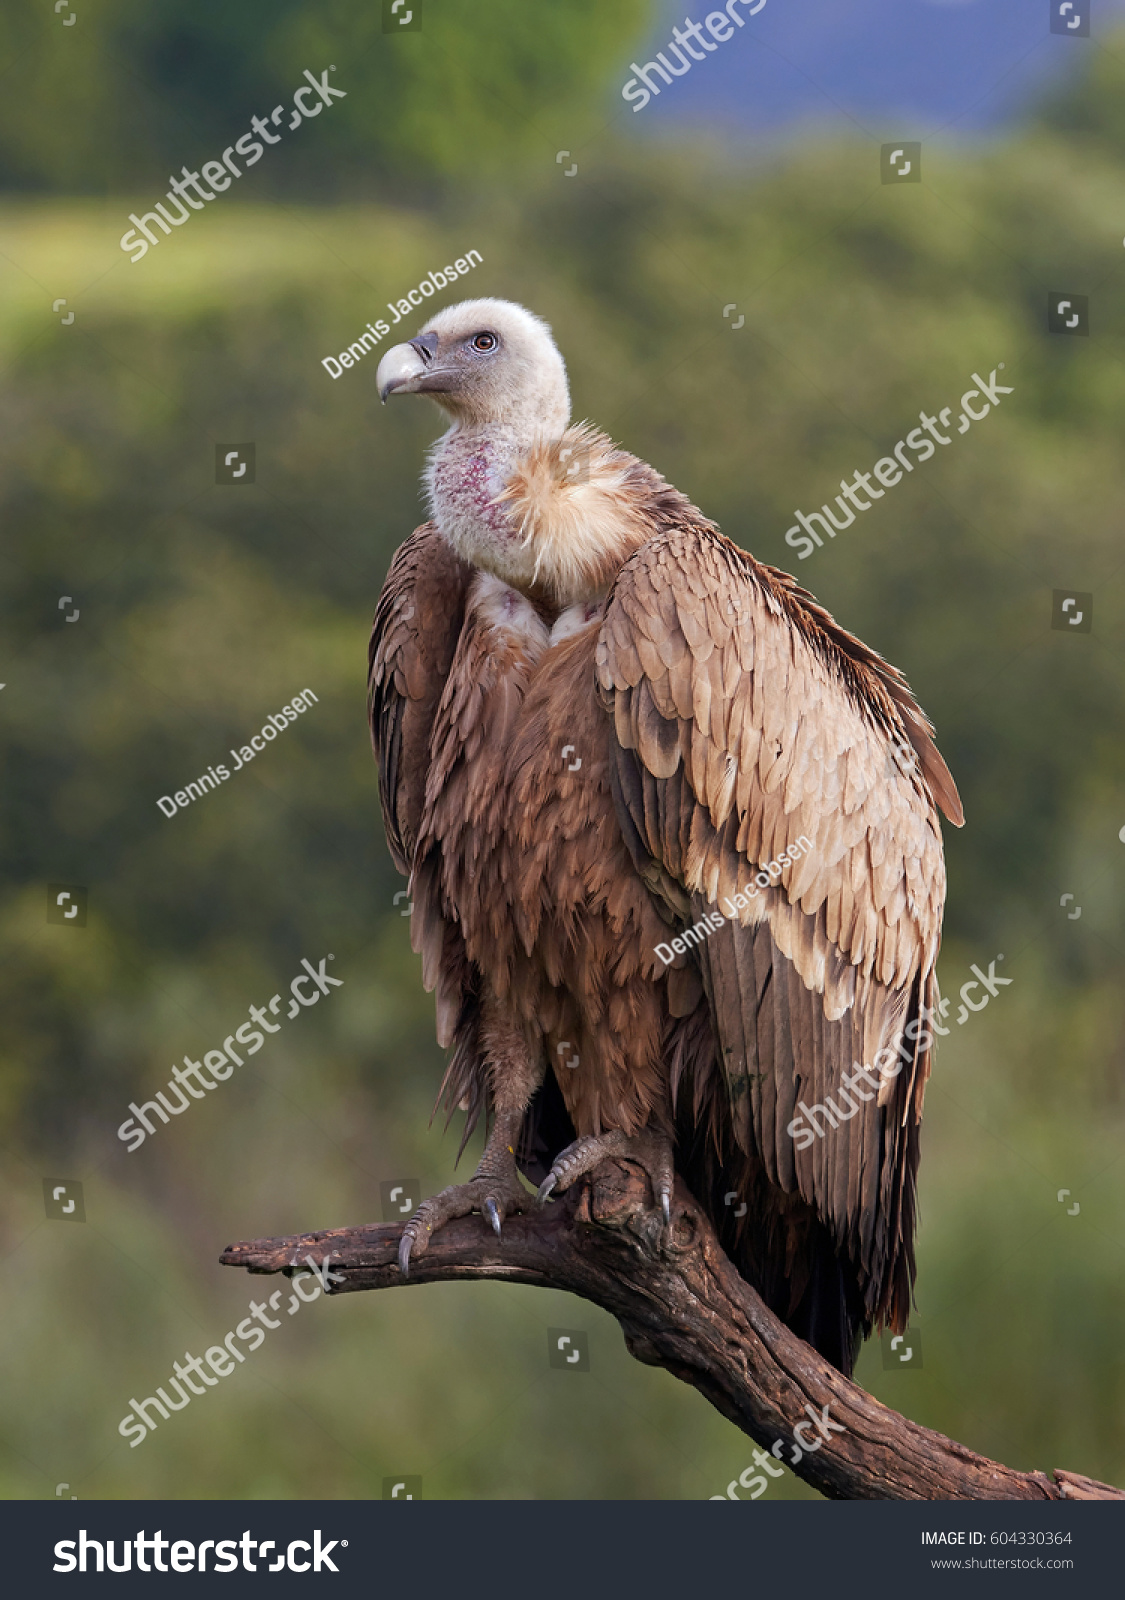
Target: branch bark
(683, 1306)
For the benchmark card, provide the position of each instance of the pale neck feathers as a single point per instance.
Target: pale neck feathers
(579, 508)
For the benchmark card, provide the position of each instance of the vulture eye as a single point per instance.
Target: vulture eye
(485, 341)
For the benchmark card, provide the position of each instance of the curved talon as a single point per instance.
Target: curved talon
(650, 1150)
(494, 1195)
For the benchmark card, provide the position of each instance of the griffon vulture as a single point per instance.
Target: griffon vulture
(672, 841)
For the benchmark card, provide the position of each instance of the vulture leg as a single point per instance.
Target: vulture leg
(651, 1150)
(494, 1189)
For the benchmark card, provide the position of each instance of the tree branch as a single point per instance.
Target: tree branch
(683, 1306)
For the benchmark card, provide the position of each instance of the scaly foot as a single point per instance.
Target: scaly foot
(649, 1149)
(495, 1196)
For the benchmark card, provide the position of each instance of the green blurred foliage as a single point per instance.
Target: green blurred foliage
(476, 89)
(1090, 104)
(204, 608)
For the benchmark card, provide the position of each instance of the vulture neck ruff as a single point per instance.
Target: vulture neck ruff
(555, 518)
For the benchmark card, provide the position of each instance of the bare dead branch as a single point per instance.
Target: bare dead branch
(683, 1306)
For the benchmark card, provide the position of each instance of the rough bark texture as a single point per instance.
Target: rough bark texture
(682, 1306)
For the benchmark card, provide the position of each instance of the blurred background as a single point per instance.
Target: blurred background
(743, 302)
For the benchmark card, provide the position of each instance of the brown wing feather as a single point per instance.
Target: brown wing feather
(746, 718)
(417, 624)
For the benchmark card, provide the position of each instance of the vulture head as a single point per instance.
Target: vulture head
(510, 485)
(488, 364)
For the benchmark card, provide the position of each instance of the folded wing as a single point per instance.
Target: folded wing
(413, 640)
(773, 770)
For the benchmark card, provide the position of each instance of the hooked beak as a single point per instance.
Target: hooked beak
(405, 366)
